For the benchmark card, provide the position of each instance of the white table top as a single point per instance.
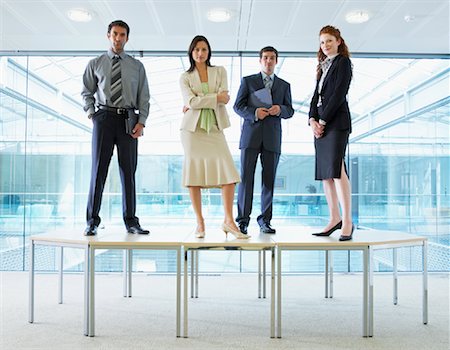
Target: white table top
(295, 237)
(117, 238)
(286, 236)
(215, 238)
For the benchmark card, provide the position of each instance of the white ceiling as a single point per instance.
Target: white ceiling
(169, 25)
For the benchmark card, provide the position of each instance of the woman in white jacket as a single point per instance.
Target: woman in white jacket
(208, 162)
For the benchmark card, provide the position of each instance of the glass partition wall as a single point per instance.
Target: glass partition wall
(398, 160)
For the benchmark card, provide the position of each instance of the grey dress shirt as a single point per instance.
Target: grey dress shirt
(97, 84)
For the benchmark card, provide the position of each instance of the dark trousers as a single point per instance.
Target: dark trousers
(109, 131)
(269, 163)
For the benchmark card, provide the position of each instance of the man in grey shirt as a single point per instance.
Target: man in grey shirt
(114, 86)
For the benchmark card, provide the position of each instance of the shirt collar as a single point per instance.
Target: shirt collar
(331, 58)
(111, 54)
(264, 75)
(327, 62)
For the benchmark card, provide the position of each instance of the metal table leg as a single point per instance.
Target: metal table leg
(365, 291)
(259, 274)
(60, 274)
(192, 273)
(395, 275)
(125, 272)
(196, 273)
(130, 271)
(185, 312)
(279, 292)
(31, 284)
(178, 292)
(371, 267)
(264, 273)
(86, 291)
(272, 293)
(326, 273)
(91, 252)
(425, 282)
(331, 274)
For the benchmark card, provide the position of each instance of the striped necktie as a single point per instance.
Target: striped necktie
(268, 82)
(116, 82)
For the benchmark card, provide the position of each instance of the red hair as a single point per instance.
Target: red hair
(342, 49)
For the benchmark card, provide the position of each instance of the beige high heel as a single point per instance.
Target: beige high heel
(237, 234)
(199, 234)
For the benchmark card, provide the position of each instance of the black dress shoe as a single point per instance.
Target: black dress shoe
(266, 228)
(330, 231)
(243, 228)
(91, 230)
(137, 230)
(349, 237)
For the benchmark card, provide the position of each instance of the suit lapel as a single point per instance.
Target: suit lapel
(330, 71)
(275, 83)
(212, 79)
(259, 83)
(196, 82)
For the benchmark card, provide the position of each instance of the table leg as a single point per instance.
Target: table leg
(259, 274)
(264, 273)
(395, 275)
(425, 282)
(91, 291)
(326, 273)
(371, 267)
(192, 272)
(272, 293)
(331, 274)
(60, 274)
(31, 284)
(196, 273)
(279, 293)
(365, 290)
(178, 291)
(86, 291)
(185, 312)
(130, 271)
(125, 272)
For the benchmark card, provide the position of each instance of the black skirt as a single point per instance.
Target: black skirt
(330, 152)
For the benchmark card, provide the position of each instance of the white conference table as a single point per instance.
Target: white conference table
(217, 241)
(367, 241)
(112, 239)
(287, 238)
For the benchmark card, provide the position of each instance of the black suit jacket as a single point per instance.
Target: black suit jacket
(266, 132)
(334, 109)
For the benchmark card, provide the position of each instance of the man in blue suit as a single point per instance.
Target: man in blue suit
(261, 135)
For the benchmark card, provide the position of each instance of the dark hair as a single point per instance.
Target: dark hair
(342, 48)
(119, 23)
(268, 49)
(194, 42)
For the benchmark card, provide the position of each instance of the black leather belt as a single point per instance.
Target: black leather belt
(115, 110)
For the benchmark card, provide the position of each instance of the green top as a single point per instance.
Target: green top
(207, 115)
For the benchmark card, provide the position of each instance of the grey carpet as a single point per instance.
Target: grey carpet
(227, 314)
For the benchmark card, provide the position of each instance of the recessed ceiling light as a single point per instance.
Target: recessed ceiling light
(79, 15)
(409, 18)
(356, 17)
(219, 15)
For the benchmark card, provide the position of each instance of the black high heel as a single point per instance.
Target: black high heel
(349, 237)
(330, 231)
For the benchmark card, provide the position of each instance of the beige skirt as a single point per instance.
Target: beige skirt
(207, 159)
